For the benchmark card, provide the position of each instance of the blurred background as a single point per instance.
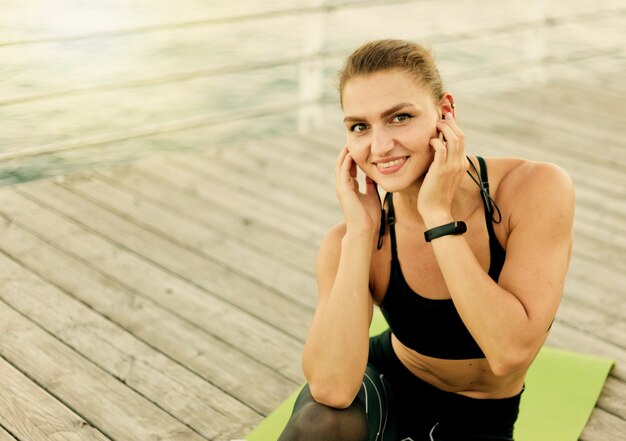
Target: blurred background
(91, 83)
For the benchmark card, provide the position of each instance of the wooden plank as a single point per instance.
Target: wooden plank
(235, 225)
(274, 187)
(29, 412)
(6, 436)
(209, 244)
(566, 336)
(175, 389)
(215, 191)
(605, 279)
(220, 319)
(599, 251)
(281, 169)
(201, 353)
(608, 302)
(604, 426)
(103, 401)
(613, 397)
(611, 328)
(179, 262)
(486, 133)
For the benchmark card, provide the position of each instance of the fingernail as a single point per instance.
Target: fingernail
(449, 115)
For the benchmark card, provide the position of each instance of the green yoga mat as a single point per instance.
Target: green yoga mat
(562, 388)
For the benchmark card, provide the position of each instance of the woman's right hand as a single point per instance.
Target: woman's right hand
(361, 210)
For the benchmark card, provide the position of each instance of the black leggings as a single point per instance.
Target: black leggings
(395, 405)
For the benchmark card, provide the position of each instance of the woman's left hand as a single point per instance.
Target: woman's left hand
(445, 174)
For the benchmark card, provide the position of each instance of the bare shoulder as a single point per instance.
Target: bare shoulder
(532, 188)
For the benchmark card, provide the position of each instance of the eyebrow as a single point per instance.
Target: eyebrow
(382, 115)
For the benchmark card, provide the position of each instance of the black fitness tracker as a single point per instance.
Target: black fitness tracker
(457, 227)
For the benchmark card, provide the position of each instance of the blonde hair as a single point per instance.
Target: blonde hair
(388, 54)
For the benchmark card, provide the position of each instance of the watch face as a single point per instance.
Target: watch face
(460, 227)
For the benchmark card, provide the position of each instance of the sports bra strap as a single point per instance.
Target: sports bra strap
(391, 221)
(485, 195)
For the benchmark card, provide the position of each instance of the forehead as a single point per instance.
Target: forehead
(379, 91)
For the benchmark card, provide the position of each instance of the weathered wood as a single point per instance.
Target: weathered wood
(567, 336)
(31, 413)
(613, 397)
(106, 403)
(6, 436)
(244, 229)
(248, 205)
(203, 242)
(292, 195)
(603, 426)
(202, 353)
(607, 327)
(182, 299)
(178, 261)
(171, 386)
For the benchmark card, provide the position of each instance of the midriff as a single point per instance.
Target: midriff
(472, 378)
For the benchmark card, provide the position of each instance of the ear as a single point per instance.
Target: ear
(447, 104)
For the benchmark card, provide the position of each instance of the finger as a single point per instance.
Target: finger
(340, 160)
(346, 166)
(441, 152)
(454, 145)
(370, 186)
(352, 167)
(348, 173)
(447, 131)
(452, 124)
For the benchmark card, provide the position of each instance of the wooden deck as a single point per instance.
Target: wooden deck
(169, 299)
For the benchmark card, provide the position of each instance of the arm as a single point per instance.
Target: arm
(336, 350)
(509, 319)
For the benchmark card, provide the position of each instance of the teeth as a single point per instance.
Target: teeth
(390, 163)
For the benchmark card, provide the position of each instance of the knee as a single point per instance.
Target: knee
(317, 421)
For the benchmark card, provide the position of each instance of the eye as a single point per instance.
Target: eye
(401, 117)
(359, 127)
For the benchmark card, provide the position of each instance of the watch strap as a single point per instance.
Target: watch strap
(456, 227)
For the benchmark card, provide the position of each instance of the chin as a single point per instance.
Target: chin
(395, 185)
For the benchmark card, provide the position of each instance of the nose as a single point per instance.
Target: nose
(382, 142)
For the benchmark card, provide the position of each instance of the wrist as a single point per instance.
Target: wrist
(361, 239)
(436, 219)
(451, 228)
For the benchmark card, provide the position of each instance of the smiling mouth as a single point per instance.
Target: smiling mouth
(390, 164)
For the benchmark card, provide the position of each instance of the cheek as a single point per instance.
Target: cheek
(359, 150)
(417, 138)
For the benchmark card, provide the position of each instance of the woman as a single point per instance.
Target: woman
(468, 267)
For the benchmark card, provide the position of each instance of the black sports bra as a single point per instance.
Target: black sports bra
(433, 327)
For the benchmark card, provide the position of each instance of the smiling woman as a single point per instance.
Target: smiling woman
(479, 283)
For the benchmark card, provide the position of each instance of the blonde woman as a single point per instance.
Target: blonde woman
(466, 258)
